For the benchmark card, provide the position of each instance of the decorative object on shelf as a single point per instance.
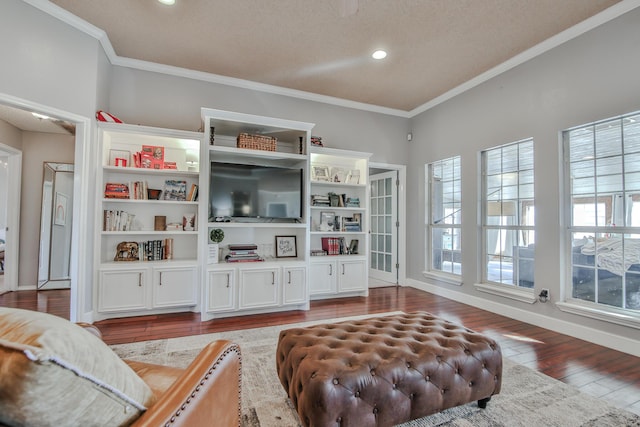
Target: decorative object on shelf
(326, 220)
(152, 157)
(216, 235)
(153, 194)
(174, 226)
(189, 222)
(316, 141)
(103, 116)
(170, 165)
(175, 190)
(353, 177)
(127, 251)
(286, 247)
(353, 246)
(257, 142)
(337, 174)
(320, 173)
(119, 158)
(301, 145)
(160, 223)
(211, 135)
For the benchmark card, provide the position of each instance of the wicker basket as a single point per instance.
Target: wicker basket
(257, 142)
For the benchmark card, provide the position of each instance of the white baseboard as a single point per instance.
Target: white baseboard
(595, 336)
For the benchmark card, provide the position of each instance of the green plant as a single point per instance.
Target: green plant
(216, 235)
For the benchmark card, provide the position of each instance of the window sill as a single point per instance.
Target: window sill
(611, 315)
(512, 292)
(449, 279)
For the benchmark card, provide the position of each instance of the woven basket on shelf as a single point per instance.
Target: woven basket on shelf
(257, 142)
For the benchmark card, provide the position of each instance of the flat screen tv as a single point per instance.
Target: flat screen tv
(251, 191)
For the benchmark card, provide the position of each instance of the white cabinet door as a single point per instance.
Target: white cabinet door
(122, 290)
(220, 290)
(352, 275)
(174, 286)
(322, 277)
(259, 287)
(294, 285)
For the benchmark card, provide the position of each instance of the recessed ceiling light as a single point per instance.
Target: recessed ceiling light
(379, 54)
(168, 2)
(41, 116)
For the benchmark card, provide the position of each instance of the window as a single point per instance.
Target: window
(444, 216)
(602, 181)
(508, 214)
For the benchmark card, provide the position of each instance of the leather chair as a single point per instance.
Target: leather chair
(54, 373)
(207, 392)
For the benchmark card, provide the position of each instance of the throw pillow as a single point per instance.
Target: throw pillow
(54, 373)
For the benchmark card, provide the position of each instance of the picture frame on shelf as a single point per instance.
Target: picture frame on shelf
(119, 158)
(353, 247)
(353, 177)
(337, 174)
(286, 247)
(327, 220)
(320, 173)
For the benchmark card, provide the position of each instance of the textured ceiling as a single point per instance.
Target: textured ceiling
(324, 46)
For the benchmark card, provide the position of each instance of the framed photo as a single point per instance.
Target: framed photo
(119, 158)
(320, 173)
(286, 247)
(60, 212)
(337, 174)
(327, 220)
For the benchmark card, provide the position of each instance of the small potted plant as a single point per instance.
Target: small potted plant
(216, 235)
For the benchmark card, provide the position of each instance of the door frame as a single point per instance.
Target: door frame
(12, 248)
(81, 270)
(401, 215)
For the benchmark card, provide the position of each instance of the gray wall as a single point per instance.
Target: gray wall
(592, 77)
(160, 100)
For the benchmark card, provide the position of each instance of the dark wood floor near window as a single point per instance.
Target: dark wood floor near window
(594, 369)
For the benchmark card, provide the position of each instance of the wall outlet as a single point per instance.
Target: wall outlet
(544, 295)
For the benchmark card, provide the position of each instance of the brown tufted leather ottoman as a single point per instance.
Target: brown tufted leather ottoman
(386, 370)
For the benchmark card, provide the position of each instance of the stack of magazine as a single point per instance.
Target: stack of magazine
(243, 253)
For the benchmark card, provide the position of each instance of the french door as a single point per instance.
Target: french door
(383, 256)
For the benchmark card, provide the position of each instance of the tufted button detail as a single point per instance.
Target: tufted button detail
(335, 381)
(470, 383)
(375, 410)
(395, 386)
(357, 393)
(373, 372)
(339, 419)
(428, 378)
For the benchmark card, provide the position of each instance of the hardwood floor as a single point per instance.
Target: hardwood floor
(596, 370)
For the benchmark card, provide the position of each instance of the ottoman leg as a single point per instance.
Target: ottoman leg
(482, 403)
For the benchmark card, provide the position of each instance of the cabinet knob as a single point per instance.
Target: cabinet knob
(161, 278)
(140, 279)
(228, 279)
(289, 277)
(330, 269)
(273, 278)
(343, 269)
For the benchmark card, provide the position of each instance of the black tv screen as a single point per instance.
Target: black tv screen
(251, 191)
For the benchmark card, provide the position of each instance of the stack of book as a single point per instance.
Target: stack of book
(316, 140)
(320, 200)
(139, 190)
(156, 250)
(114, 190)
(243, 253)
(352, 202)
(115, 220)
(333, 245)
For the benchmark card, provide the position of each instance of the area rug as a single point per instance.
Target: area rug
(528, 398)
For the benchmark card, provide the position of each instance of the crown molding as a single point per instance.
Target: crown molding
(588, 24)
(601, 18)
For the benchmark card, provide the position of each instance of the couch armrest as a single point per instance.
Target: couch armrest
(208, 393)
